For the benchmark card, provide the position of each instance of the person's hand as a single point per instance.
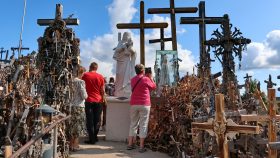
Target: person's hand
(150, 75)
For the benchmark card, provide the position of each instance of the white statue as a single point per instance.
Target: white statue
(125, 56)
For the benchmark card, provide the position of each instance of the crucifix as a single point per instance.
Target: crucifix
(202, 20)
(269, 82)
(142, 26)
(172, 10)
(225, 43)
(162, 40)
(222, 128)
(271, 118)
(58, 15)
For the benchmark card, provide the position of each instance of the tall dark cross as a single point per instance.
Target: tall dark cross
(19, 49)
(202, 20)
(142, 26)
(162, 40)
(58, 15)
(172, 11)
(269, 82)
(226, 43)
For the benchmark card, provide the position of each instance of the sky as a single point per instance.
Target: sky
(257, 20)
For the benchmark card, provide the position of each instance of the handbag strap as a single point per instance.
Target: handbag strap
(137, 83)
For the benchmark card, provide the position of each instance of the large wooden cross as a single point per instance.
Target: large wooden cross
(142, 26)
(222, 128)
(162, 40)
(172, 11)
(271, 118)
(58, 15)
(202, 20)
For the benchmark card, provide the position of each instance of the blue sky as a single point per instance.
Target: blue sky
(258, 20)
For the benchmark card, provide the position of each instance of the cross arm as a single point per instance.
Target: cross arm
(261, 118)
(159, 40)
(198, 20)
(168, 10)
(202, 126)
(145, 25)
(46, 22)
(243, 129)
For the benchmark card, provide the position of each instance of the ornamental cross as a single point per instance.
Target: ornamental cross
(142, 26)
(172, 10)
(271, 118)
(222, 128)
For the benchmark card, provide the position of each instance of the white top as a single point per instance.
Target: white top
(79, 93)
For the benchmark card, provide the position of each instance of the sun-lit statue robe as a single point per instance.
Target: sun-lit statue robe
(125, 56)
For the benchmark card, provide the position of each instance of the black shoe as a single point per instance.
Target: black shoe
(89, 142)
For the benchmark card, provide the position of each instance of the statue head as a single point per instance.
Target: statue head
(127, 38)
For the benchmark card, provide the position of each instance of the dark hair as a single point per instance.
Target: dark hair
(111, 80)
(93, 66)
(139, 68)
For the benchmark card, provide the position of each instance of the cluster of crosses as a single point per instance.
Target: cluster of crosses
(225, 43)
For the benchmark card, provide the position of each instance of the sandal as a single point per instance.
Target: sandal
(130, 147)
(141, 150)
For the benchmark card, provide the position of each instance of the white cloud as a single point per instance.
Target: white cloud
(100, 49)
(263, 55)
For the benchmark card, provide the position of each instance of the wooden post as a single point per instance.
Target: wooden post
(272, 133)
(271, 119)
(142, 26)
(220, 127)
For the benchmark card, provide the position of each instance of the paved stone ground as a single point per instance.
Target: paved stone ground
(107, 149)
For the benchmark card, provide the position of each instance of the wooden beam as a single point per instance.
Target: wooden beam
(47, 22)
(176, 10)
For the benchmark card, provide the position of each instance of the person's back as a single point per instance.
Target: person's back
(94, 84)
(93, 105)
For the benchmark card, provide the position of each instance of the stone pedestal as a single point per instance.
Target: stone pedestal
(117, 119)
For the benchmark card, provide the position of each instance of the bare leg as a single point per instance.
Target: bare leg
(76, 143)
(130, 140)
(142, 142)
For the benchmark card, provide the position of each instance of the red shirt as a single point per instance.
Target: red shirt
(94, 86)
(141, 93)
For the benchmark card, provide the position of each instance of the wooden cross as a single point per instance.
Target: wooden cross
(269, 82)
(19, 49)
(247, 77)
(162, 40)
(58, 15)
(202, 20)
(142, 26)
(172, 11)
(222, 128)
(271, 118)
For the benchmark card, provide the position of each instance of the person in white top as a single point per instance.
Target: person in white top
(77, 120)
